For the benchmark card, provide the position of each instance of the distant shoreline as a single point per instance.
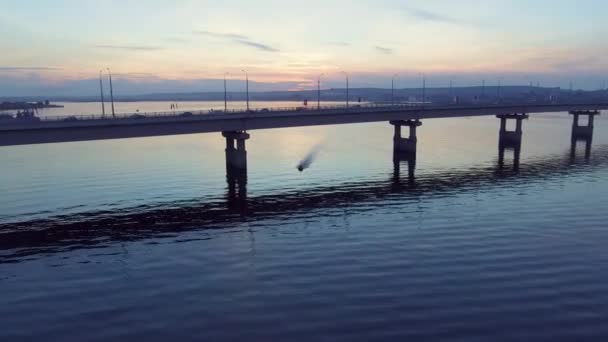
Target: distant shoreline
(437, 95)
(27, 105)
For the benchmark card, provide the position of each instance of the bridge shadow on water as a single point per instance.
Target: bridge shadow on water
(25, 240)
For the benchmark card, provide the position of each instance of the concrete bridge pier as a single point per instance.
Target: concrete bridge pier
(404, 149)
(236, 155)
(236, 170)
(405, 145)
(508, 138)
(583, 132)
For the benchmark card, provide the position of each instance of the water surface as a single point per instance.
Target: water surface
(144, 238)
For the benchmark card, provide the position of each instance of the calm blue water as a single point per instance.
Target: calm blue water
(142, 238)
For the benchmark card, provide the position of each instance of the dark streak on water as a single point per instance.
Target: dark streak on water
(465, 251)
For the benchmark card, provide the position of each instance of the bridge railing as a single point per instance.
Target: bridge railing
(333, 109)
(186, 113)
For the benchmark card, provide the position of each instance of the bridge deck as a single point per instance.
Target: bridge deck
(51, 130)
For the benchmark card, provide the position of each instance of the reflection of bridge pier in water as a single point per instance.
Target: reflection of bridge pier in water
(588, 142)
(404, 157)
(236, 170)
(237, 189)
(516, 156)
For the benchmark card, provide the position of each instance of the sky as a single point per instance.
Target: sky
(58, 47)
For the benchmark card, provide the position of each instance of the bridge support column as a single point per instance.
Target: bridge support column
(236, 170)
(508, 138)
(404, 149)
(405, 145)
(236, 155)
(583, 132)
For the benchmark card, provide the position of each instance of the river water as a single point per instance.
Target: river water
(144, 239)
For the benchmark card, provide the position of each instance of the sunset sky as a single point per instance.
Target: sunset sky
(59, 46)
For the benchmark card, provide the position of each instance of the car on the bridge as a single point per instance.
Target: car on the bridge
(70, 119)
(137, 116)
(186, 114)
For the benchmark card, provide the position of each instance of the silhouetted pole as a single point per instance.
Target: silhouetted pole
(111, 93)
(103, 105)
(247, 87)
(498, 91)
(393, 90)
(571, 89)
(225, 94)
(423, 89)
(346, 74)
(451, 91)
(483, 88)
(319, 92)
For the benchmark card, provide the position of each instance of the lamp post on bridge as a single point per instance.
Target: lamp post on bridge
(346, 74)
(498, 90)
(393, 89)
(111, 92)
(451, 91)
(225, 93)
(423, 89)
(103, 105)
(247, 87)
(319, 92)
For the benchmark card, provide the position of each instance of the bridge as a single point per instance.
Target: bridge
(236, 125)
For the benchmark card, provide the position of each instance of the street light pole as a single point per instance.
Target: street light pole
(346, 74)
(498, 90)
(393, 90)
(103, 105)
(319, 92)
(111, 93)
(225, 94)
(423, 89)
(451, 91)
(247, 87)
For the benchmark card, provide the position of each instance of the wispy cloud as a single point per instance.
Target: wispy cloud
(237, 39)
(130, 47)
(383, 50)
(338, 43)
(220, 35)
(258, 46)
(176, 40)
(35, 68)
(425, 15)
